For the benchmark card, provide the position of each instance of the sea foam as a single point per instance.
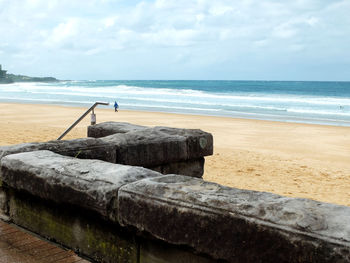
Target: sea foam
(314, 102)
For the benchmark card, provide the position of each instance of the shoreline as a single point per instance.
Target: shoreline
(243, 116)
(324, 103)
(291, 159)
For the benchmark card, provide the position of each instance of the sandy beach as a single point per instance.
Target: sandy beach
(298, 160)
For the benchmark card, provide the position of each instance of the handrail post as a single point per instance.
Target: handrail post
(81, 117)
(93, 117)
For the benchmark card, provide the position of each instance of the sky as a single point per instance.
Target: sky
(177, 39)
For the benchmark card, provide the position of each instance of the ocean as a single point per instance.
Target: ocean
(289, 101)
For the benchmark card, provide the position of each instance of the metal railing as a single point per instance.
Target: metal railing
(82, 117)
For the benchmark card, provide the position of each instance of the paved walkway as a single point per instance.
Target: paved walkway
(18, 246)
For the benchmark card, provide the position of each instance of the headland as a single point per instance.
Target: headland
(6, 78)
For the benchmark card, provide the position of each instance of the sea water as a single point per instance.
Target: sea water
(290, 101)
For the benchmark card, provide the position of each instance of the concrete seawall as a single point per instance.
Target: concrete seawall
(121, 213)
(163, 149)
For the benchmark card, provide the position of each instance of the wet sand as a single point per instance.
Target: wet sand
(298, 160)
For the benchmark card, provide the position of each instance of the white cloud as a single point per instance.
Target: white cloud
(312, 21)
(171, 37)
(285, 30)
(228, 30)
(109, 21)
(220, 10)
(64, 31)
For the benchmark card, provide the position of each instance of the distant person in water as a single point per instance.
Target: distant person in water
(116, 106)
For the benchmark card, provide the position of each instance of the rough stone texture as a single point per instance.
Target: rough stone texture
(108, 128)
(85, 148)
(157, 252)
(77, 229)
(236, 225)
(3, 203)
(149, 147)
(161, 145)
(95, 238)
(193, 168)
(91, 184)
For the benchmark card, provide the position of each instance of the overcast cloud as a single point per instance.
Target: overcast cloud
(177, 39)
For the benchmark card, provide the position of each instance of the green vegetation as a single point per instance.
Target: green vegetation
(11, 78)
(21, 78)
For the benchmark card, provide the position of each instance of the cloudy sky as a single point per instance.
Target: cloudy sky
(177, 39)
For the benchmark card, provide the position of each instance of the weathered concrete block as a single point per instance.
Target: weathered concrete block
(198, 143)
(4, 199)
(91, 184)
(149, 147)
(108, 128)
(91, 236)
(160, 252)
(85, 148)
(75, 228)
(236, 225)
(190, 143)
(193, 168)
(160, 145)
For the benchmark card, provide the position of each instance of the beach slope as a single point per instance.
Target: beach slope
(297, 160)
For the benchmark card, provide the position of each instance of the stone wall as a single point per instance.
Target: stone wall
(163, 149)
(118, 213)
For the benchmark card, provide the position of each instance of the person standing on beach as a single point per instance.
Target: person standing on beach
(116, 106)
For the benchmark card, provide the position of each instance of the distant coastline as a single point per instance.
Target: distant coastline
(21, 78)
(12, 78)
